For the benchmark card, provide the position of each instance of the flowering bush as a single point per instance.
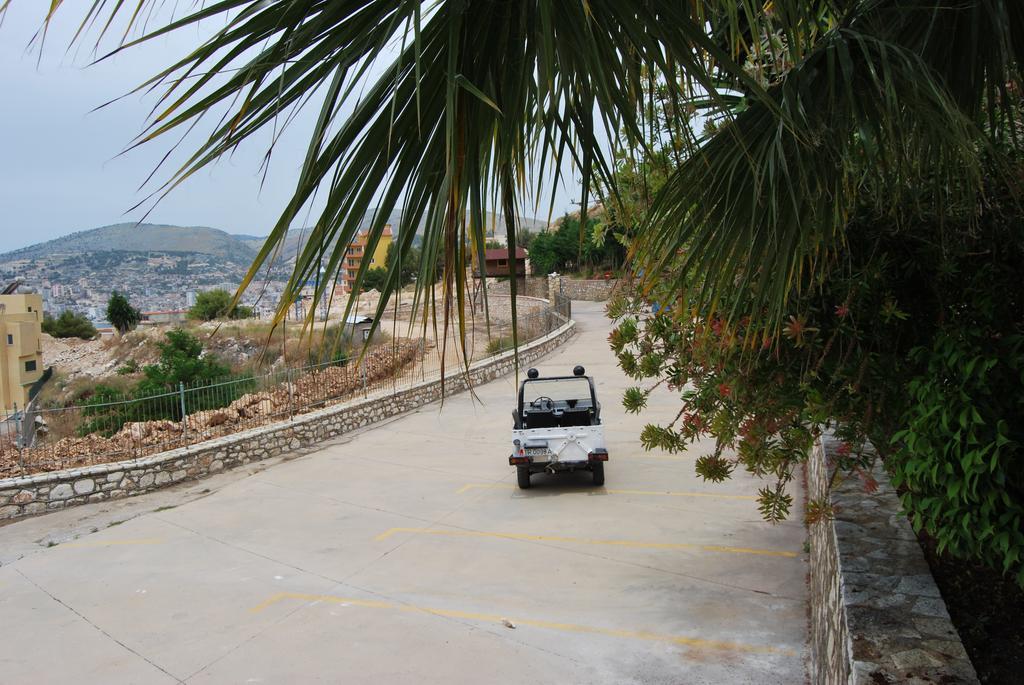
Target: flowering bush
(910, 339)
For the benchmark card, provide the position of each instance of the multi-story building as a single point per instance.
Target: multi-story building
(21, 364)
(357, 252)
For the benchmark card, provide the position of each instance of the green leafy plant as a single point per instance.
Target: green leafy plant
(106, 411)
(69, 325)
(121, 313)
(499, 345)
(909, 341)
(375, 278)
(217, 304)
(958, 462)
(128, 368)
(156, 395)
(570, 248)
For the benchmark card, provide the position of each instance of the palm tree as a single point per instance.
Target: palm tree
(480, 102)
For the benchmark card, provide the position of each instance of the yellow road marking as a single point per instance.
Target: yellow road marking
(549, 625)
(112, 543)
(612, 491)
(586, 541)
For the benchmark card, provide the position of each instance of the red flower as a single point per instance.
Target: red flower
(842, 310)
(869, 482)
(724, 390)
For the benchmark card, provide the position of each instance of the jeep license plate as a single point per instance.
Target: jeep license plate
(537, 452)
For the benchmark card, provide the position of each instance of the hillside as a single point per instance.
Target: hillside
(143, 238)
(297, 236)
(131, 237)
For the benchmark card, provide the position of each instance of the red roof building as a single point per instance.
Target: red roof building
(497, 262)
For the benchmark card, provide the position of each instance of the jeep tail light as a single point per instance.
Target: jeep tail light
(599, 454)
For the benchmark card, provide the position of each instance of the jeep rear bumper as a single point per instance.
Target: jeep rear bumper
(599, 454)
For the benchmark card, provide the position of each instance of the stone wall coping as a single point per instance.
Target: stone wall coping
(242, 436)
(877, 615)
(519, 296)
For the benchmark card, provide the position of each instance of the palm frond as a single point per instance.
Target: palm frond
(877, 109)
(479, 103)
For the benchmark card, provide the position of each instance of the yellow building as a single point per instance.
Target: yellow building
(21, 364)
(356, 252)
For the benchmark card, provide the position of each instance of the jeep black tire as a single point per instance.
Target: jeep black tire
(598, 469)
(524, 477)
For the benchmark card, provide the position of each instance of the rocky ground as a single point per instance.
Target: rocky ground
(79, 357)
(305, 393)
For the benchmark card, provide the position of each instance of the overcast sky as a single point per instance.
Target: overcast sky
(61, 170)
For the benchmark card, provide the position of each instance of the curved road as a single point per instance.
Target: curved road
(404, 554)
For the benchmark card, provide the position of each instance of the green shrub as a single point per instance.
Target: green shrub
(959, 464)
(121, 314)
(909, 339)
(207, 383)
(330, 345)
(499, 345)
(375, 278)
(106, 411)
(69, 325)
(128, 368)
(216, 304)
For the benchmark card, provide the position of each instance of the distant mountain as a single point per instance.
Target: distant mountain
(297, 237)
(131, 237)
(238, 248)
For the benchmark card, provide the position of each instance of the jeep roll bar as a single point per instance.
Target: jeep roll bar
(534, 375)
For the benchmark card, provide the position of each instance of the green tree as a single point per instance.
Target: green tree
(544, 257)
(181, 361)
(69, 325)
(375, 278)
(567, 248)
(121, 313)
(216, 304)
(410, 262)
(524, 239)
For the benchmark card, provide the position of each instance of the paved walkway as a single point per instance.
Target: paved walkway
(404, 554)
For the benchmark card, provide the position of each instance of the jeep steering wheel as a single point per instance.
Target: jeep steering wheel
(543, 402)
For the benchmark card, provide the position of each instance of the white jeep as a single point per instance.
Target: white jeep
(557, 427)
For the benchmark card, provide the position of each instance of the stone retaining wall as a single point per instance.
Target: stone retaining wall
(592, 290)
(876, 614)
(28, 495)
(530, 286)
(499, 307)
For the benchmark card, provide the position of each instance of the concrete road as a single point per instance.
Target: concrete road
(404, 554)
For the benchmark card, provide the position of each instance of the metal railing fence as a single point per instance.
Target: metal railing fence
(114, 426)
